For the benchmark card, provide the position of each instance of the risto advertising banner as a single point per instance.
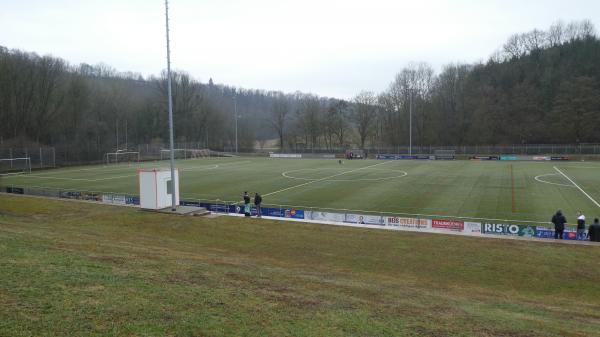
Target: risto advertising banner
(509, 229)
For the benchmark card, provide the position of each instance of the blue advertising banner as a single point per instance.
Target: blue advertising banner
(239, 209)
(548, 233)
(283, 212)
(132, 200)
(508, 157)
(395, 157)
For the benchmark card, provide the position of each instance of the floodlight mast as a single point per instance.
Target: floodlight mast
(236, 123)
(410, 92)
(173, 200)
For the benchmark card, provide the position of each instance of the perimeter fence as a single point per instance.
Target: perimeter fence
(365, 219)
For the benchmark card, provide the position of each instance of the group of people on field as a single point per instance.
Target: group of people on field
(559, 221)
(257, 204)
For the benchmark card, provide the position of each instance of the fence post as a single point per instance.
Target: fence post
(41, 160)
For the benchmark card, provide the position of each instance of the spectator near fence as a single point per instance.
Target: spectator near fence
(594, 231)
(257, 203)
(580, 226)
(559, 222)
(246, 204)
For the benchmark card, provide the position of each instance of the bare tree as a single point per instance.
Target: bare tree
(279, 113)
(556, 34)
(365, 114)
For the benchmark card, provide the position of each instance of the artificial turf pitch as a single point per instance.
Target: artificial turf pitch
(483, 190)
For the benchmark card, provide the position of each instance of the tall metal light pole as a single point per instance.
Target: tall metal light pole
(236, 118)
(410, 92)
(173, 199)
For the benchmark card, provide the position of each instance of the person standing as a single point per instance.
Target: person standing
(257, 202)
(246, 204)
(580, 226)
(559, 222)
(594, 231)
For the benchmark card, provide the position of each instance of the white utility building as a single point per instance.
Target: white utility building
(156, 188)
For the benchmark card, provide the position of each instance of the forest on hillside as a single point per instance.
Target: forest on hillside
(542, 86)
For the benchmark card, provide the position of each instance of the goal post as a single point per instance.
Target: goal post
(122, 156)
(15, 165)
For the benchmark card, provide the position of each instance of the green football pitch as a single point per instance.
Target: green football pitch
(480, 190)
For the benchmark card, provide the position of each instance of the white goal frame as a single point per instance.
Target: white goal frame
(116, 155)
(11, 171)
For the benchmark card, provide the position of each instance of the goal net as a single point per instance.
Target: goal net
(185, 154)
(445, 154)
(121, 157)
(15, 165)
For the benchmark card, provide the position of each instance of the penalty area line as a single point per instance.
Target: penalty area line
(574, 184)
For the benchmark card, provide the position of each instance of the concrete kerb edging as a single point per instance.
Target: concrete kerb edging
(364, 226)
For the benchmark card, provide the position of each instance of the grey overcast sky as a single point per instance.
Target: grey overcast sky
(326, 47)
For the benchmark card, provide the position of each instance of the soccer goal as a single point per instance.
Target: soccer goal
(445, 154)
(185, 154)
(15, 165)
(121, 157)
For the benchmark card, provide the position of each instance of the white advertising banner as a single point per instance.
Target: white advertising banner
(472, 228)
(407, 223)
(325, 216)
(365, 219)
(285, 155)
(114, 199)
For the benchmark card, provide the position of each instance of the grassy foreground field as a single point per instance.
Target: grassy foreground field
(77, 269)
(495, 190)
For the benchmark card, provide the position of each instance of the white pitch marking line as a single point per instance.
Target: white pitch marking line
(329, 177)
(574, 184)
(537, 178)
(403, 174)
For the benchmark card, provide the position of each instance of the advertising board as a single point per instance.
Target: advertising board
(285, 155)
(114, 199)
(449, 225)
(472, 228)
(325, 216)
(365, 219)
(408, 223)
(394, 157)
(283, 212)
(485, 158)
(548, 233)
(509, 229)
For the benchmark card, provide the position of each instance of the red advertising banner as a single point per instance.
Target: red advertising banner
(450, 225)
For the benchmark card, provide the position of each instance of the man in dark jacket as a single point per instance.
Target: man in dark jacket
(594, 231)
(257, 202)
(246, 204)
(559, 222)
